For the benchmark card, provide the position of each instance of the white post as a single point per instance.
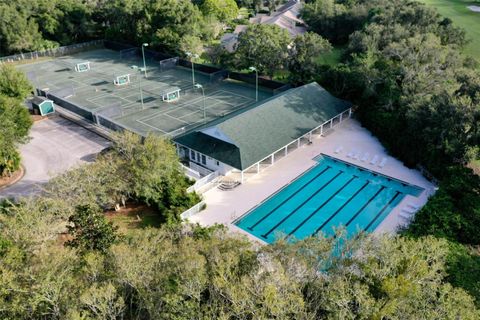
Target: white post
(331, 123)
(143, 55)
(286, 150)
(321, 130)
(298, 143)
(272, 159)
(241, 172)
(258, 167)
(341, 117)
(310, 136)
(350, 112)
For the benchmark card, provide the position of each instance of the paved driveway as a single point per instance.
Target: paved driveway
(56, 145)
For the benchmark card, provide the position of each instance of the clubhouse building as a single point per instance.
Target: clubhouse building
(250, 139)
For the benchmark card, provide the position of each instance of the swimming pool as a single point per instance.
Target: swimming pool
(331, 194)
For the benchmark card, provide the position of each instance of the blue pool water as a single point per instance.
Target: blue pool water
(331, 194)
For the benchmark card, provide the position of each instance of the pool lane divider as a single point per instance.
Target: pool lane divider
(323, 204)
(341, 208)
(397, 193)
(287, 199)
(365, 205)
(246, 214)
(302, 204)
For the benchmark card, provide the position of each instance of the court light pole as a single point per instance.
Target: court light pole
(192, 56)
(136, 68)
(143, 55)
(256, 81)
(199, 86)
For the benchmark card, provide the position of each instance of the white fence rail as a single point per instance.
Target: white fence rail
(55, 52)
(203, 171)
(193, 210)
(191, 173)
(199, 184)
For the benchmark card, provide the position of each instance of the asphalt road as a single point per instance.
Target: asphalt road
(56, 145)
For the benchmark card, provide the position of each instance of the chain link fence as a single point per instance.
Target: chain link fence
(56, 52)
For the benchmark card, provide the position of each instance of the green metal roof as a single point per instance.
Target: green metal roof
(246, 137)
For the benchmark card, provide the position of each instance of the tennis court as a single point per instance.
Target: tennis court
(113, 85)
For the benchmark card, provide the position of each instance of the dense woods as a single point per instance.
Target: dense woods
(402, 65)
(195, 273)
(420, 95)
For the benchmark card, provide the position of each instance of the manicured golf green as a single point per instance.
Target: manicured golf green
(463, 17)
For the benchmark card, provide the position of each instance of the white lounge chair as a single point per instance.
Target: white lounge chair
(365, 157)
(409, 210)
(406, 216)
(413, 205)
(374, 160)
(383, 163)
(339, 149)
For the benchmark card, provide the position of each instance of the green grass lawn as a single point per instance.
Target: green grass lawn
(134, 217)
(331, 58)
(462, 17)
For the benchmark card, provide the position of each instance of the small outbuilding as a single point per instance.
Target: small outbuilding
(42, 105)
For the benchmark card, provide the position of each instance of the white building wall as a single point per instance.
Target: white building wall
(210, 163)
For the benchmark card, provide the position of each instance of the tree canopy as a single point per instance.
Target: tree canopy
(418, 93)
(14, 117)
(223, 10)
(184, 272)
(144, 170)
(264, 47)
(304, 53)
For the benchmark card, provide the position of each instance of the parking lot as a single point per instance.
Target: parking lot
(56, 145)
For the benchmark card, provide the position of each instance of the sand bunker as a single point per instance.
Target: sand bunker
(474, 8)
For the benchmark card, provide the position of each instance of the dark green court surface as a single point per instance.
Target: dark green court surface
(139, 104)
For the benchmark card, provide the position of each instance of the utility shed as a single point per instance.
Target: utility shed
(245, 138)
(43, 105)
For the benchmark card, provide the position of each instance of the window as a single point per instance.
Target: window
(192, 154)
(204, 159)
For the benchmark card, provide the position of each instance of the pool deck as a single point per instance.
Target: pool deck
(224, 207)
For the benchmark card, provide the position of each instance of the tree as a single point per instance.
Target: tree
(223, 10)
(90, 230)
(153, 174)
(97, 183)
(183, 273)
(14, 117)
(18, 31)
(13, 83)
(264, 47)
(191, 44)
(304, 54)
(454, 211)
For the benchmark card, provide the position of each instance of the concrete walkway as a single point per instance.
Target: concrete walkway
(56, 145)
(226, 206)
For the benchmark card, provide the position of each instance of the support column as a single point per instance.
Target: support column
(241, 173)
(258, 167)
(321, 130)
(272, 158)
(298, 143)
(331, 124)
(286, 151)
(350, 112)
(341, 117)
(310, 136)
